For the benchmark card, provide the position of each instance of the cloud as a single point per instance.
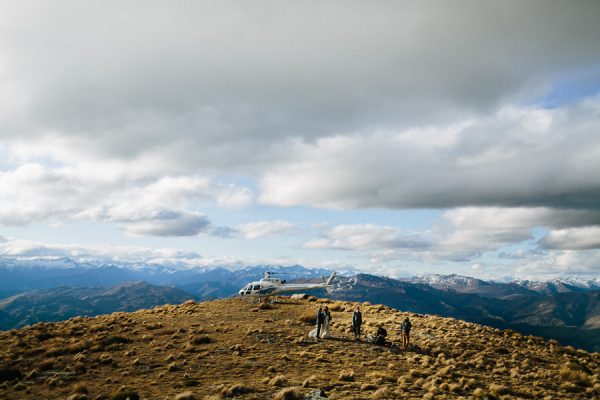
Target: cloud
(557, 264)
(242, 80)
(141, 255)
(33, 193)
(383, 106)
(368, 237)
(465, 234)
(259, 229)
(373, 107)
(583, 238)
(518, 157)
(167, 223)
(27, 249)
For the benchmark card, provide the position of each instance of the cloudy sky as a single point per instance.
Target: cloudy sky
(396, 137)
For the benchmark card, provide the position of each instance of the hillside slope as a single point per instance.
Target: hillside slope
(66, 302)
(236, 349)
(571, 317)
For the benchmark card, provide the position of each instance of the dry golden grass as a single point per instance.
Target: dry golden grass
(291, 393)
(236, 390)
(186, 396)
(235, 349)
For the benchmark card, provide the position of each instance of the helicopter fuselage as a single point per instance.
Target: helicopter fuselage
(270, 286)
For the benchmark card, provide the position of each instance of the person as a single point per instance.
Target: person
(326, 320)
(380, 336)
(320, 320)
(405, 329)
(320, 328)
(356, 323)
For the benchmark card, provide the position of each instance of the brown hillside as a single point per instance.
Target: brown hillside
(236, 349)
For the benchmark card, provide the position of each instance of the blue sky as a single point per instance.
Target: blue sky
(395, 138)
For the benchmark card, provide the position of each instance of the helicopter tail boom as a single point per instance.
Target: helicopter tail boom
(330, 279)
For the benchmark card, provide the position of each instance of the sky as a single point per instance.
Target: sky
(390, 137)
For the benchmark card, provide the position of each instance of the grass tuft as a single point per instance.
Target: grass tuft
(347, 376)
(186, 396)
(290, 393)
(236, 390)
(279, 380)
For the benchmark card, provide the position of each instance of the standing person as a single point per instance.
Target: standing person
(326, 320)
(405, 328)
(356, 323)
(320, 320)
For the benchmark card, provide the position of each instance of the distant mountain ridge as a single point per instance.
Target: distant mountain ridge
(65, 302)
(466, 284)
(571, 317)
(17, 276)
(565, 309)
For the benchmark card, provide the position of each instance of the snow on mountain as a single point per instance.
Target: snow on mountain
(444, 281)
(563, 285)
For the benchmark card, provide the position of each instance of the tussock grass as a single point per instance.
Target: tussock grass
(290, 393)
(384, 393)
(498, 389)
(569, 374)
(78, 396)
(186, 396)
(309, 318)
(113, 339)
(80, 388)
(236, 390)
(105, 359)
(365, 387)
(382, 376)
(347, 376)
(279, 380)
(450, 359)
(126, 395)
(200, 339)
(311, 381)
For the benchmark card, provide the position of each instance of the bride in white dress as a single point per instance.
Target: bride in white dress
(324, 334)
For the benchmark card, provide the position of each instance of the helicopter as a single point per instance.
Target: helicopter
(269, 286)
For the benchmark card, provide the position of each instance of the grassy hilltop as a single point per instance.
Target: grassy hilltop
(237, 349)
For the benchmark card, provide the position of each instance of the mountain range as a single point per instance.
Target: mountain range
(65, 302)
(567, 310)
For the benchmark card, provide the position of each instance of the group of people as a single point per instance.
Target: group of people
(324, 319)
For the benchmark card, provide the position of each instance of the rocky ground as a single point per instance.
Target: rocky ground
(235, 348)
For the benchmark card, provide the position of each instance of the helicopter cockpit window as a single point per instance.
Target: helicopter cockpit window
(256, 287)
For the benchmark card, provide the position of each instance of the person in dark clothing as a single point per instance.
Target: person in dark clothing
(320, 320)
(356, 323)
(380, 336)
(405, 328)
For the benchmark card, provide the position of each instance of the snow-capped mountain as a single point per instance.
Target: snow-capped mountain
(565, 285)
(440, 281)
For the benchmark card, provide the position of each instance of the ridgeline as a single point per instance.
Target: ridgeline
(235, 348)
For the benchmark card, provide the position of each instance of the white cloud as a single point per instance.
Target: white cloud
(464, 234)
(167, 223)
(259, 229)
(25, 249)
(33, 193)
(422, 107)
(141, 255)
(517, 157)
(368, 237)
(583, 238)
(557, 264)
